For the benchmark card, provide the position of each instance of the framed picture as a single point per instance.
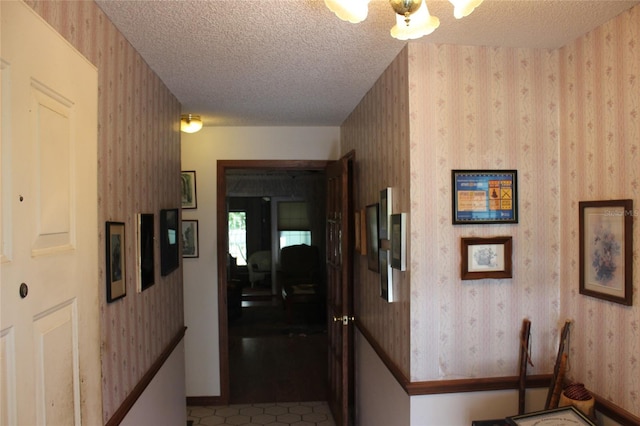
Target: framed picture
(190, 238)
(399, 241)
(386, 276)
(189, 200)
(372, 238)
(356, 231)
(606, 250)
(557, 416)
(146, 257)
(386, 207)
(484, 196)
(169, 248)
(116, 265)
(363, 232)
(486, 258)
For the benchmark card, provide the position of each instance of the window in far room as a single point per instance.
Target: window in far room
(293, 223)
(238, 236)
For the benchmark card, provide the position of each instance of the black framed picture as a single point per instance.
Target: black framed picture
(146, 250)
(115, 265)
(484, 196)
(169, 241)
(189, 194)
(190, 238)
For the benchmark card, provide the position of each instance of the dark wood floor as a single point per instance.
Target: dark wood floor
(271, 360)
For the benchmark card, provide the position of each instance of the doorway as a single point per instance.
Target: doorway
(265, 356)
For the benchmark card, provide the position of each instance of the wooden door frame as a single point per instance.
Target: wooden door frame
(222, 244)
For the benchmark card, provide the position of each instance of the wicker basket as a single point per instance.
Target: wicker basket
(578, 396)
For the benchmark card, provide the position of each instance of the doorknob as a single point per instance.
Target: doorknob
(24, 290)
(345, 319)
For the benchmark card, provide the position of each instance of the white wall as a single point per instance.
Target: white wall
(163, 401)
(380, 400)
(200, 152)
(455, 409)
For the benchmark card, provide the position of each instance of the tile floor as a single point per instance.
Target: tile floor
(271, 414)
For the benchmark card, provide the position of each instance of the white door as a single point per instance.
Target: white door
(49, 329)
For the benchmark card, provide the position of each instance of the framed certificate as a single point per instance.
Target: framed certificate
(564, 416)
(484, 196)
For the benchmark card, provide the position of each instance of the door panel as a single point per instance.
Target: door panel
(49, 323)
(340, 289)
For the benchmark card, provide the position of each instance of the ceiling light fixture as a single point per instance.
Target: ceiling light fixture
(190, 123)
(413, 19)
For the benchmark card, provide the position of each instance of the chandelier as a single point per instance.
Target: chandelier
(413, 19)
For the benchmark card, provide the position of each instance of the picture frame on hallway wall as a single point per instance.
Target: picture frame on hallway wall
(357, 240)
(146, 255)
(606, 250)
(484, 196)
(188, 185)
(399, 241)
(190, 238)
(373, 242)
(386, 276)
(169, 241)
(386, 207)
(115, 243)
(486, 258)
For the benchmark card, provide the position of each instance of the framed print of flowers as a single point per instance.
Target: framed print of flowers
(606, 249)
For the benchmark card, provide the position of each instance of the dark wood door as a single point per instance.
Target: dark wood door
(339, 287)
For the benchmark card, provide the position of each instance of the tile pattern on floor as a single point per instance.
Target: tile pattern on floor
(271, 414)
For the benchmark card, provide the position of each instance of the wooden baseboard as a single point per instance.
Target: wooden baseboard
(201, 401)
(483, 384)
(131, 399)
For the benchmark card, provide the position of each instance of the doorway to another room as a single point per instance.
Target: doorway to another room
(277, 351)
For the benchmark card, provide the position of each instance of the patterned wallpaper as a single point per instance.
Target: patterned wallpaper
(377, 129)
(600, 158)
(468, 107)
(568, 121)
(139, 154)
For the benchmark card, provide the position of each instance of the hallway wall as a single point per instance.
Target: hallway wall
(138, 172)
(200, 152)
(600, 158)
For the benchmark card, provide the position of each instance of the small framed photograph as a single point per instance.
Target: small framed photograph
(363, 232)
(399, 241)
(116, 265)
(169, 249)
(486, 258)
(189, 195)
(386, 207)
(606, 250)
(557, 416)
(190, 238)
(484, 196)
(372, 238)
(386, 276)
(146, 249)
(356, 231)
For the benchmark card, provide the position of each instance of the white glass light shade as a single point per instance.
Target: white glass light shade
(462, 8)
(190, 123)
(353, 11)
(420, 24)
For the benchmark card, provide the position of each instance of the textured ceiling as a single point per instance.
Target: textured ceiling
(294, 63)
